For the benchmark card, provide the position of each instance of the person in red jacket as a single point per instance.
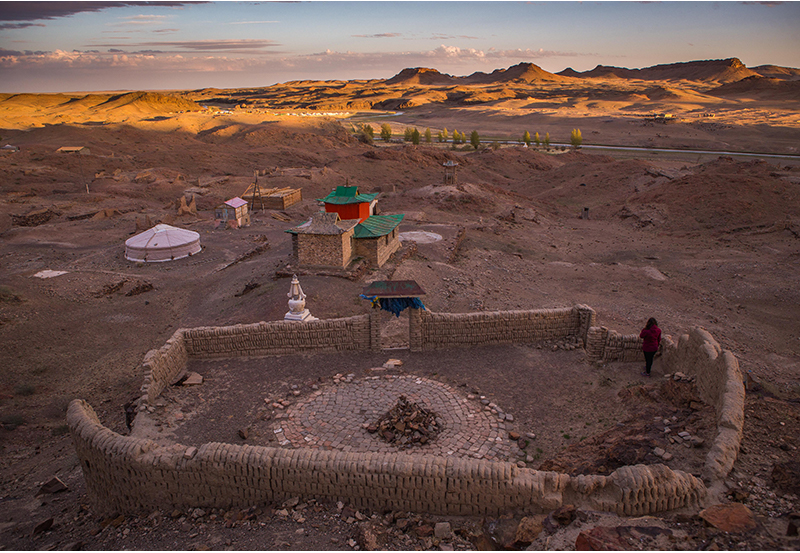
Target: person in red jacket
(651, 336)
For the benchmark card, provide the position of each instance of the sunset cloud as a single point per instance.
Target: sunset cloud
(379, 35)
(9, 26)
(231, 45)
(141, 20)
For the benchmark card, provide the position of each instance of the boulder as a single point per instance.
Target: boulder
(528, 530)
(564, 515)
(733, 518)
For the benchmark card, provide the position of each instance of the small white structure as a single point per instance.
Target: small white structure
(297, 304)
(162, 243)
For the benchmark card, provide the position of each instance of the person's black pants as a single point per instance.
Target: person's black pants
(648, 359)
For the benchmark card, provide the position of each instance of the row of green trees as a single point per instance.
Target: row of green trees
(366, 134)
(575, 138)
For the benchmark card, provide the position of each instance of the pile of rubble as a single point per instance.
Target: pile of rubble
(406, 425)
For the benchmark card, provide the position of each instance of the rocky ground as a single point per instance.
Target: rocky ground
(712, 244)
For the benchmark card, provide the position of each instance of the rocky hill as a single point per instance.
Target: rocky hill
(727, 70)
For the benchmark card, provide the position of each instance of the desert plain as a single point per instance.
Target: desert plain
(690, 176)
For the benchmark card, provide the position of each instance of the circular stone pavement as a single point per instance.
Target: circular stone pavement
(336, 418)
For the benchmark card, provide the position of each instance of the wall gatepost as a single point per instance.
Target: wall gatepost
(375, 330)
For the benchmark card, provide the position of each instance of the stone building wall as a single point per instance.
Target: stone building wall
(378, 250)
(430, 331)
(325, 250)
(128, 475)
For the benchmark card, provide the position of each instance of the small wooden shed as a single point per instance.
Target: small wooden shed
(234, 212)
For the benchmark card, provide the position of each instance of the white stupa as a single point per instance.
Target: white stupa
(297, 304)
(162, 243)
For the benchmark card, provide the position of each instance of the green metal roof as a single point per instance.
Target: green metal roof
(377, 225)
(346, 191)
(348, 195)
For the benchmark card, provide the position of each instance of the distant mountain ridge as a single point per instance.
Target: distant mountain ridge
(522, 72)
(724, 71)
(720, 71)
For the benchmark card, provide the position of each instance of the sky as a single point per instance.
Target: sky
(105, 46)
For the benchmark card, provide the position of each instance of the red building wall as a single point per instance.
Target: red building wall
(349, 211)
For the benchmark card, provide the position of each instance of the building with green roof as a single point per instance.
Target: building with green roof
(349, 204)
(325, 240)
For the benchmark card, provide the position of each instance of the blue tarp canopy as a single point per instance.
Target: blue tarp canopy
(395, 305)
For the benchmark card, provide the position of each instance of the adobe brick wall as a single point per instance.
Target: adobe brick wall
(720, 383)
(607, 345)
(126, 475)
(429, 331)
(280, 338)
(163, 365)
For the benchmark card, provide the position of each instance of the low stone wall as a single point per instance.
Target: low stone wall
(720, 384)
(162, 366)
(429, 331)
(125, 474)
(281, 338)
(607, 345)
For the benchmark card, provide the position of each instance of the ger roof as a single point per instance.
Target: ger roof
(377, 225)
(324, 223)
(348, 195)
(162, 237)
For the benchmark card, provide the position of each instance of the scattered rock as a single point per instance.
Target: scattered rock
(406, 425)
(193, 379)
(564, 515)
(618, 538)
(442, 530)
(528, 530)
(786, 476)
(54, 485)
(372, 536)
(502, 531)
(43, 526)
(733, 518)
(244, 433)
(794, 523)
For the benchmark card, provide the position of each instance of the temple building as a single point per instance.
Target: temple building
(349, 204)
(327, 240)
